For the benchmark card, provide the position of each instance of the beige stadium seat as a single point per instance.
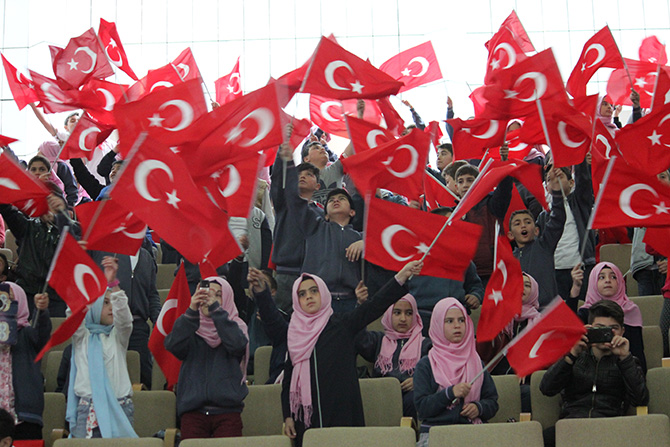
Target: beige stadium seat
(360, 437)
(262, 414)
(647, 430)
(154, 411)
(157, 378)
(52, 361)
(248, 441)
(9, 254)
(382, 401)
(53, 416)
(163, 293)
(653, 346)
(10, 243)
(544, 409)
(526, 434)
(165, 276)
(55, 324)
(376, 326)
(474, 316)
(509, 398)
(262, 364)
(650, 308)
(658, 383)
(113, 442)
(133, 362)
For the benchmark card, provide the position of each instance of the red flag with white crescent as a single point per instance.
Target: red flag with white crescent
(329, 114)
(229, 87)
(414, 67)
(644, 144)
(178, 300)
(652, 50)
(643, 75)
(502, 298)
(599, 51)
(19, 84)
(513, 24)
(82, 59)
(115, 230)
(504, 52)
(111, 42)
(18, 186)
(472, 137)
(545, 340)
(365, 135)
(86, 136)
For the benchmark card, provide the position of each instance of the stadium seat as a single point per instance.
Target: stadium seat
(9, 254)
(54, 416)
(360, 437)
(653, 346)
(10, 243)
(55, 324)
(658, 383)
(262, 364)
(650, 307)
(262, 414)
(509, 398)
(527, 434)
(154, 411)
(157, 378)
(110, 442)
(245, 441)
(545, 409)
(53, 360)
(165, 276)
(648, 430)
(382, 401)
(163, 293)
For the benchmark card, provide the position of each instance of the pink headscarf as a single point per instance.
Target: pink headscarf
(303, 333)
(411, 351)
(608, 121)
(22, 312)
(529, 309)
(50, 149)
(454, 363)
(632, 314)
(207, 330)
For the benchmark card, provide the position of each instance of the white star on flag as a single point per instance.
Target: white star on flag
(496, 296)
(73, 64)
(661, 208)
(234, 134)
(173, 199)
(422, 248)
(231, 89)
(655, 138)
(406, 72)
(640, 82)
(495, 64)
(357, 87)
(583, 68)
(510, 94)
(156, 120)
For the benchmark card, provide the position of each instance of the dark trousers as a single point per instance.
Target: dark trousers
(195, 424)
(139, 341)
(28, 430)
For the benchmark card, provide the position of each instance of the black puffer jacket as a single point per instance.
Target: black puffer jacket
(594, 388)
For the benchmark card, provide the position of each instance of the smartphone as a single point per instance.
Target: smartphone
(599, 334)
(204, 284)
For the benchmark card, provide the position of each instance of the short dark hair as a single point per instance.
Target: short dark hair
(342, 191)
(452, 167)
(467, 170)
(307, 146)
(566, 170)
(40, 159)
(307, 166)
(521, 211)
(117, 162)
(7, 426)
(70, 116)
(606, 308)
(446, 146)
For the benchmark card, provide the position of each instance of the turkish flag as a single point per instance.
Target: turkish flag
(526, 173)
(85, 137)
(502, 298)
(644, 144)
(63, 332)
(167, 115)
(478, 100)
(515, 203)
(433, 129)
(658, 238)
(115, 229)
(365, 135)
(513, 24)
(504, 52)
(253, 122)
(569, 132)
(414, 67)
(302, 128)
(662, 90)
(517, 149)
(652, 50)
(472, 137)
(178, 300)
(397, 165)
(587, 105)
(6, 141)
(329, 114)
(336, 73)
(17, 185)
(397, 234)
(602, 148)
(643, 75)
(74, 275)
(20, 86)
(81, 60)
(229, 87)
(106, 96)
(232, 182)
(157, 187)
(186, 67)
(394, 122)
(111, 42)
(631, 198)
(545, 340)
(52, 98)
(599, 51)
(513, 92)
(436, 194)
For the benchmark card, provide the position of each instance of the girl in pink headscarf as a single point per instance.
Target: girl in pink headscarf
(320, 386)
(443, 393)
(396, 351)
(211, 341)
(606, 283)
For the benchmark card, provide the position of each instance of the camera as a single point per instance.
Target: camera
(599, 335)
(204, 284)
